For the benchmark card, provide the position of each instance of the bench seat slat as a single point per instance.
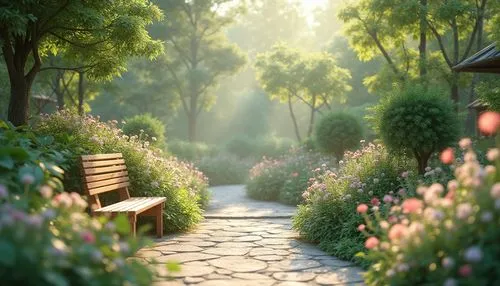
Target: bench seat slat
(93, 164)
(136, 205)
(107, 182)
(101, 170)
(104, 189)
(102, 156)
(94, 178)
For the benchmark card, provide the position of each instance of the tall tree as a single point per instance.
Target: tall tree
(281, 72)
(100, 35)
(324, 82)
(200, 54)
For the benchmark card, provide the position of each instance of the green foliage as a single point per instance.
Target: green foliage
(328, 215)
(447, 236)
(150, 172)
(224, 169)
(246, 147)
(338, 132)
(285, 179)
(417, 121)
(146, 127)
(191, 151)
(489, 93)
(23, 154)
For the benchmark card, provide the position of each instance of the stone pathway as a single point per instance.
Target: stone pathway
(241, 252)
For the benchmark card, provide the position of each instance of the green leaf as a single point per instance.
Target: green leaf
(122, 224)
(6, 162)
(173, 266)
(8, 256)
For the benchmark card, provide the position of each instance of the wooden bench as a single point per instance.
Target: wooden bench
(104, 173)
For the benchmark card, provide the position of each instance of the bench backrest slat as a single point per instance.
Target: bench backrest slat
(104, 173)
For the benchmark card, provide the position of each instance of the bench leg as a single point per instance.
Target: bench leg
(159, 220)
(132, 218)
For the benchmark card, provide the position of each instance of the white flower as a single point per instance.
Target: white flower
(493, 154)
(465, 143)
(464, 210)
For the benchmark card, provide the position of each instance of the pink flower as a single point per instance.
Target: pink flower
(375, 201)
(362, 208)
(397, 231)
(493, 154)
(361, 227)
(87, 236)
(412, 205)
(404, 174)
(465, 143)
(387, 199)
(465, 270)
(46, 191)
(27, 179)
(371, 242)
(447, 156)
(295, 174)
(489, 122)
(495, 191)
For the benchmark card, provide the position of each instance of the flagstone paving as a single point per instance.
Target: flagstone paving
(252, 251)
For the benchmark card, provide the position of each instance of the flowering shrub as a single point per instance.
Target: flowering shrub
(30, 159)
(445, 236)
(147, 127)
(224, 169)
(338, 132)
(151, 172)
(286, 178)
(59, 244)
(328, 214)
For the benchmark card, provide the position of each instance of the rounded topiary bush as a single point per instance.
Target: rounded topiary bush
(338, 132)
(417, 121)
(147, 127)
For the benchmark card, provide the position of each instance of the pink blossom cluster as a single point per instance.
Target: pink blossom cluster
(444, 226)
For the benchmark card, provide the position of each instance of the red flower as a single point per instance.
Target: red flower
(447, 156)
(371, 242)
(465, 270)
(489, 122)
(375, 202)
(362, 208)
(412, 205)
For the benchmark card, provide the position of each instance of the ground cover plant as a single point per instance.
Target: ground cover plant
(328, 214)
(448, 234)
(151, 173)
(284, 179)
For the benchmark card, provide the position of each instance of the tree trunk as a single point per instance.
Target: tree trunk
(422, 159)
(294, 120)
(58, 90)
(192, 127)
(423, 40)
(455, 96)
(81, 91)
(19, 100)
(311, 120)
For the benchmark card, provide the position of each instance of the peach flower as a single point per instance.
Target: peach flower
(412, 205)
(489, 122)
(371, 242)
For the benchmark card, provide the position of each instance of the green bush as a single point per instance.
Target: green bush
(417, 121)
(448, 236)
(151, 173)
(328, 215)
(146, 127)
(286, 178)
(191, 151)
(51, 240)
(338, 132)
(246, 147)
(224, 169)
